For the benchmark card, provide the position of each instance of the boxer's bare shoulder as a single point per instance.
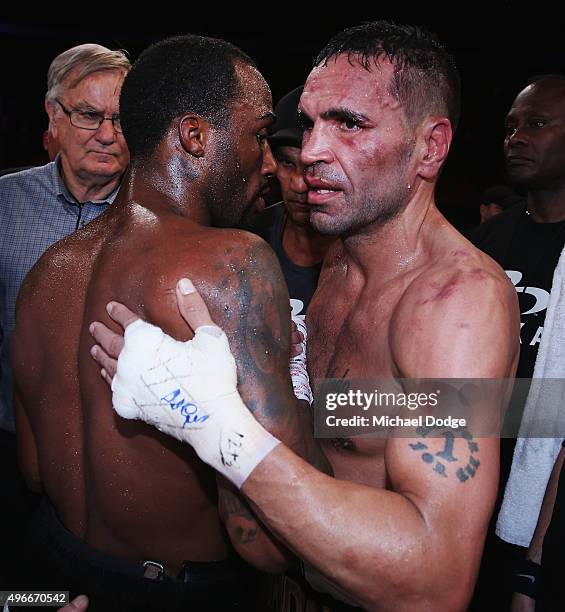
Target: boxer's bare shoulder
(239, 278)
(462, 299)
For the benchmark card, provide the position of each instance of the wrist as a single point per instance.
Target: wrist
(526, 578)
(242, 442)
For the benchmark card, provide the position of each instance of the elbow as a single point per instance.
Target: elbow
(414, 602)
(414, 592)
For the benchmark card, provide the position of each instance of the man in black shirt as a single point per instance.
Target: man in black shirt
(527, 241)
(286, 225)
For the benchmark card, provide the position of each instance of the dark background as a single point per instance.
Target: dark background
(497, 47)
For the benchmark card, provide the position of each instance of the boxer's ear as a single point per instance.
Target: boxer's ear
(436, 136)
(193, 134)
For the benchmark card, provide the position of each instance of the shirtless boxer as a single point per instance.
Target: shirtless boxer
(415, 300)
(195, 113)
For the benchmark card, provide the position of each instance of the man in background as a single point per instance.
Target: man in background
(497, 199)
(285, 225)
(44, 204)
(527, 240)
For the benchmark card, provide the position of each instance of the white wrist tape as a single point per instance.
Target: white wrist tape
(297, 366)
(188, 390)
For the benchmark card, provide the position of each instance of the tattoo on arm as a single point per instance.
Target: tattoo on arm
(260, 329)
(231, 505)
(445, 463)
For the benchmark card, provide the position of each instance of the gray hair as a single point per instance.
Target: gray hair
(82, 61)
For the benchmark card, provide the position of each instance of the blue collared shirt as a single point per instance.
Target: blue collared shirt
(36, 210)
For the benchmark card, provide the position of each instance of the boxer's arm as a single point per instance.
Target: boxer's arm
(418, 544)
(257, 323)
(250, 538)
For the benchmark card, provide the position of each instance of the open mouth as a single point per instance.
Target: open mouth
(321, 196)
(320, 191)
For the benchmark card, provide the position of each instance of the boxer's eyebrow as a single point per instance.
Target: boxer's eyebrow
(341, 113)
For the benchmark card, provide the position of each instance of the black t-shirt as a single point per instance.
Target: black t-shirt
(529, 253)
(301, 280)
(530, 263)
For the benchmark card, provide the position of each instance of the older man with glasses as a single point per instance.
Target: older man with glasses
(42, 205)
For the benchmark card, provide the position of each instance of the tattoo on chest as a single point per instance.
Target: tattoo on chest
(446, 462)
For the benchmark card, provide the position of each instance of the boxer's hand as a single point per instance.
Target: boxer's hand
(188, 390)
(78, 604)
(110, 344)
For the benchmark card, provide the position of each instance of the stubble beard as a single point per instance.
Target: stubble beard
(376, 206)
(373, 210)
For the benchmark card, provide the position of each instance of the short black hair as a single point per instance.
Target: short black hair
(175, 76)
(425, 79)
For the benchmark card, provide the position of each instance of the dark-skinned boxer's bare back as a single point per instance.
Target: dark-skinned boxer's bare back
(122, 486)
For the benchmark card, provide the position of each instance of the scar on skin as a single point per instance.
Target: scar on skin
(477, 273)
(443, 290)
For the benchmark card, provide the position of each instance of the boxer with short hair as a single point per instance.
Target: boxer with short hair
(135, 512)
(393, 530)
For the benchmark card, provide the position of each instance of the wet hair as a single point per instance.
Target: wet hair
(425, 81)
(178, 75)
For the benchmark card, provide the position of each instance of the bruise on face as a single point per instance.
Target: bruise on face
(350, 87)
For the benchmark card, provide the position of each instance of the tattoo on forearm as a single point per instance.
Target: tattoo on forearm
(245, 536)
(445, 463)
(230, 505)
(261, 339)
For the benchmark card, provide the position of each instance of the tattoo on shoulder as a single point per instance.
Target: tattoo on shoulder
(445, 463)
(262, 318)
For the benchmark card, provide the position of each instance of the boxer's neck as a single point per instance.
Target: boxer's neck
(388, 249)
(158, 187)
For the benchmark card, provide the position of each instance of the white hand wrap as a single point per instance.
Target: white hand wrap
(189, 391)
(297, 366)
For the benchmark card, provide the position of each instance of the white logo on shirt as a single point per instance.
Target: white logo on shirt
(541, 295)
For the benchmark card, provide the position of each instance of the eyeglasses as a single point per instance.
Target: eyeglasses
(89, 120)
